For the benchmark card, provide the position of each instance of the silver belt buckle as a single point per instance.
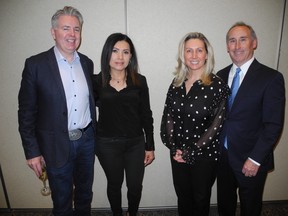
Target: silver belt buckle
(75, 134)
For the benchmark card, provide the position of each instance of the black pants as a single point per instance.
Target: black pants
(250, 190)
(193, 185)
(118, 156)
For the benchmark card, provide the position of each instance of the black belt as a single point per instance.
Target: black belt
(77, 133)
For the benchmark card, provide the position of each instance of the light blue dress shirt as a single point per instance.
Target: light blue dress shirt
(76, 91)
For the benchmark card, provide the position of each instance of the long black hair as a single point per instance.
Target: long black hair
(131, 69)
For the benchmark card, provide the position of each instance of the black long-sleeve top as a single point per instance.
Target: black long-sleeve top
(191, 122)
(124, 114)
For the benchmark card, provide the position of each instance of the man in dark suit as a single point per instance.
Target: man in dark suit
(57, 116)
(253, 125)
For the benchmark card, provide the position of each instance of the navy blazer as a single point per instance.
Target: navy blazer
(42, 114)
(255, 121)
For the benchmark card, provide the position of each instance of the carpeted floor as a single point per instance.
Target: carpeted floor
(269, 209)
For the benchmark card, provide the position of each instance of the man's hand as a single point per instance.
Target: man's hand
(250, 169)
(36, 164)
(149, 157)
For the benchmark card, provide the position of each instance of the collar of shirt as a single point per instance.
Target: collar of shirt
(244, 68)
(60, 57)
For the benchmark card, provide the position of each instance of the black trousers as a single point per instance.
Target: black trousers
(119, 156)
(250, 190)
(193, 185)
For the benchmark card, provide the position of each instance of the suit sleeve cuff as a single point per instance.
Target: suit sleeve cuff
(255, 162)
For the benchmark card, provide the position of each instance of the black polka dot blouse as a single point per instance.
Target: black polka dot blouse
(192, 122)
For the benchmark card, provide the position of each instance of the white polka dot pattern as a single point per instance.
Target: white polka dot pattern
(192, 122)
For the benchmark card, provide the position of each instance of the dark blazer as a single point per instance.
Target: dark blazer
(42, 114)
(255, 121)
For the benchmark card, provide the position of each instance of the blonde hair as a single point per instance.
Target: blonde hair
(182, 69)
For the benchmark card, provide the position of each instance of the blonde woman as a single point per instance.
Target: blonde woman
(193, 115)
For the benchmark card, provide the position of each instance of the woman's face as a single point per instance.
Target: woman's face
(195, 54)
(120, 57)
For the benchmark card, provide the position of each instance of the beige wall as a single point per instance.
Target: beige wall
(156, 27)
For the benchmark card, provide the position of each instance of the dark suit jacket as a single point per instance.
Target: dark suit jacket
(255, 121)
(42, 114)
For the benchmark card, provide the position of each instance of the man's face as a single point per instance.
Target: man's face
(240, 45)
(67, 35)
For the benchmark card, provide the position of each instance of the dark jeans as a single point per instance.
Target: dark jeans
(75, 179)
(193, 185)
(118, 156)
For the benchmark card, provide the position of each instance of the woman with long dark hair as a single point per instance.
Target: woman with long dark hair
(125, 143)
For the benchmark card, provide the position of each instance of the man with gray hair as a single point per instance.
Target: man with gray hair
(57, 116)
(253, 125)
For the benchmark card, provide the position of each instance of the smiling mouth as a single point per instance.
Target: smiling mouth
(71, 40)
(238, 52)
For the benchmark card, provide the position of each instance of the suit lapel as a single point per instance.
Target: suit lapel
(226, 74)
(247, 83)
(86, 72)
(56, 73)
(89, 84)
